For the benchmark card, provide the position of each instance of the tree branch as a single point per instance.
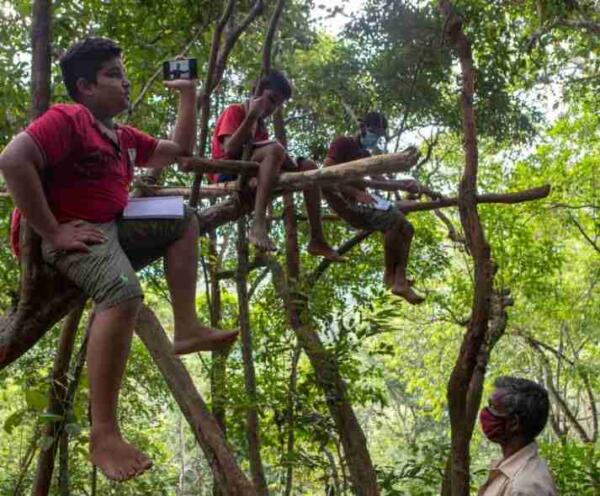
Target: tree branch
(583, 233)
(466, 363)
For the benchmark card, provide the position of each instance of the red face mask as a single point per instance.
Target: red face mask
(493, 427)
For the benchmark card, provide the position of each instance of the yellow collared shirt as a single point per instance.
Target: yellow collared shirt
(522, 474)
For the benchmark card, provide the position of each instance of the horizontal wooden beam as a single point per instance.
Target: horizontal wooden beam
(380, 164)
(349, 171)
(291, 181)
(219, 165)
(532, 194)
(208, 191)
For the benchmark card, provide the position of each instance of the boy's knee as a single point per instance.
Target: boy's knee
(130, 306)
(306, 164)
(276, 150)
(406, 228)
(402, 225)
(126, 308)
(192, 227)
(123, 289)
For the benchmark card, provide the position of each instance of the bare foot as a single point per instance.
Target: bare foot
(403, 289)
(389, 278)
(204, 339)
(117, 459)
(322, 249)
(257, 235)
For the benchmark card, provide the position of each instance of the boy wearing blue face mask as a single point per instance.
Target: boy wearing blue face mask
(356, 206)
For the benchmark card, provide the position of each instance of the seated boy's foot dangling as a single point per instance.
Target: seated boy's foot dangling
(203, 339)
(322, 249)
(117, 459)
(257, 235)
(389, 278)
(403, 289)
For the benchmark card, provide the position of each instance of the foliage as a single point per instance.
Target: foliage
(395, 358)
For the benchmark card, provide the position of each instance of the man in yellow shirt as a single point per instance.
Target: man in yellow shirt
(517, 412)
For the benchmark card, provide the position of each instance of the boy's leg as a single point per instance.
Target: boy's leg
(108, 349)
(312, 198)
(181, 262)
(397, 236)
(389, 257)
(397, 249)
(271, 159)
(106, 275)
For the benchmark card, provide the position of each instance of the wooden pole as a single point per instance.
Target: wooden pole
(57, 401)
(474, 338)
(225, 469)
(380, 164)
(252, 422)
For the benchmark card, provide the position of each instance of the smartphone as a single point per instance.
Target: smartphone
(180, 69)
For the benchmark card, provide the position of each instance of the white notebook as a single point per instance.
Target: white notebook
(154, 207)
(380, 203)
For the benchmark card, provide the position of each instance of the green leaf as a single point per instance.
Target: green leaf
(36, 400)
(49, 418)
(13, 420)
(73, 429)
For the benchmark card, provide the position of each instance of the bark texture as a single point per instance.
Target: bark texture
(41, 48)
(324, 363)
(57, 401)
(466, 363)
(252, 421)
(232, 480)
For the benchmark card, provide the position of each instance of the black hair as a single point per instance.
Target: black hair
(526, 399)
(374, 119)
(277, 81)
(84, 59)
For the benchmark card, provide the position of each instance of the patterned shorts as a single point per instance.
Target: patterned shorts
(107, 272)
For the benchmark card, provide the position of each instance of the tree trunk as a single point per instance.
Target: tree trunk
(462, 374)
(218, 371)
(57, 402)
(252, 422)
(288, 461)
(40, 56)
(349, 171)
(205, 96)
(497, 327)
(324, 363)
(232, 480)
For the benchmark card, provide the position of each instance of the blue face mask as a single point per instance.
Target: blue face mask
(369, 139)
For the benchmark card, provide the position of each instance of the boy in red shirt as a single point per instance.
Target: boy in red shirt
(87, 161)
(243, 124)
(355, 205)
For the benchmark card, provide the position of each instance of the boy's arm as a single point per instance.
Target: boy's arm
(234, 144)
(19, 163)
(359, 195)
(182, 143)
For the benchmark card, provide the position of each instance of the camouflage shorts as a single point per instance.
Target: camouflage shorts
(362, 216)
(371, 219)
(107, 272)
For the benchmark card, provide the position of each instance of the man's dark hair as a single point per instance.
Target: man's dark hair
(374, 119)
(84, 59)
(277, 81)
(526, 399)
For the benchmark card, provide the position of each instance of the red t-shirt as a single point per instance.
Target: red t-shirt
(346, 149)
(227, 124)
(87, 174)
(343, 149)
